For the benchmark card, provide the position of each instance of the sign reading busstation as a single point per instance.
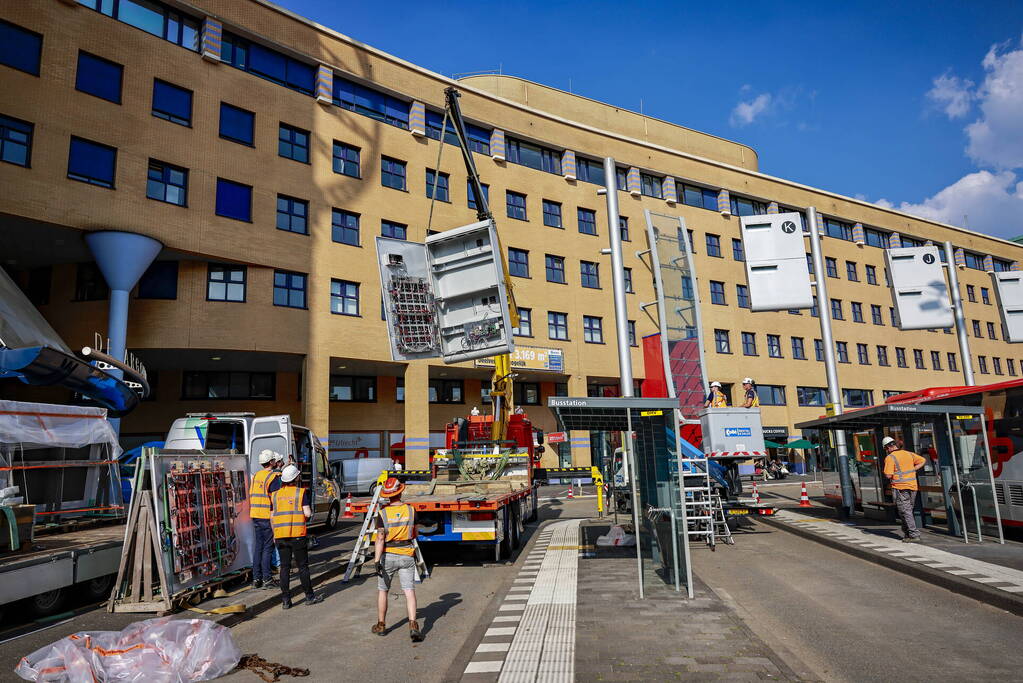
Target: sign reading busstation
(531, 358)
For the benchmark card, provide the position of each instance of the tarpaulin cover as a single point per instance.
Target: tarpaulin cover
(45, 425)
(163, 650)
(21, 324)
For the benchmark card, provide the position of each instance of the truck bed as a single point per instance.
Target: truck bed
(471, 496)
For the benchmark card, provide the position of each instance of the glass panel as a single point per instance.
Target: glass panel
(974, 495)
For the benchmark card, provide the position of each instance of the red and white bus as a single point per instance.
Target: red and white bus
(1003, 410)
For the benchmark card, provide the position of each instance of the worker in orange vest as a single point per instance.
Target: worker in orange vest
(264, 482)
(900, 466)
(395, 554)
(290, 514)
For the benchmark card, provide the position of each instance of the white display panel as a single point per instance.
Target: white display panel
(1009, 287)
(919, 291)
(776, 269)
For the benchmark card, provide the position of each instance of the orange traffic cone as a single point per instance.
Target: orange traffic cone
(571, 487)
(348, 507)
(804, 500)
(756, 494)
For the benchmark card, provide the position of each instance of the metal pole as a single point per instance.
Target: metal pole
(633, 475)
(834, 391)
(957, 308)
(618, 280)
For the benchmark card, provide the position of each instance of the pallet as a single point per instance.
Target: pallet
(133, 589)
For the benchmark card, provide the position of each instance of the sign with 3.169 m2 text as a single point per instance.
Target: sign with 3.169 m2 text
(531, 358)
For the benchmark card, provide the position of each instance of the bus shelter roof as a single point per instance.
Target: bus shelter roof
(604, 413)
(888, 414)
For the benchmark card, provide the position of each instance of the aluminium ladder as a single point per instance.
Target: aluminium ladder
(696, 489)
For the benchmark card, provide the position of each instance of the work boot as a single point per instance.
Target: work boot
(271, 584)
(314, 600)
(414, 633)
(286, 604)
(379, 628)
(911, 539)
(258, 583)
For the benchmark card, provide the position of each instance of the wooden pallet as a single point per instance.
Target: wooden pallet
(134, 590)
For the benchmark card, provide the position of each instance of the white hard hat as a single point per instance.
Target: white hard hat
(278, 457)
(715, 384)
(266, 455)
(887, 441)
(748, 380)
(289, 474)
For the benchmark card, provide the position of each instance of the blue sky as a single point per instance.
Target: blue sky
(917, 104)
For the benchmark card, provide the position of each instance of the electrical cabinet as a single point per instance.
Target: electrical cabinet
(732, 430)
(776, 269)
(1009, 287)
(919, 291)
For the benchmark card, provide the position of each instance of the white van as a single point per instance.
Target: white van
(246, 433)
(359, 475)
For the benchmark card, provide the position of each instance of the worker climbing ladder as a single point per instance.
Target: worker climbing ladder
(363, 545)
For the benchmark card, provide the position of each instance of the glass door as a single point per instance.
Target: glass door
(973, 492)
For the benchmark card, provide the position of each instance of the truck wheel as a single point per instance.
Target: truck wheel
(332, 516)
(46, 603)
(98, 588)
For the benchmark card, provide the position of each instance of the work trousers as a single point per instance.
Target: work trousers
(262, 549)
(297, 548)
(904, 503)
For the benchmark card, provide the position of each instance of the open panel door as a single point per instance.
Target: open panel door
(273, 432)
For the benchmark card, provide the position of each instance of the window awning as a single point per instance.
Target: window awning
(888, 414)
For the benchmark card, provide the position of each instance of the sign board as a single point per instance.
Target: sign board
(1009, 288)
(776, 269)
(919, 291)
(650, 413)
(829, 409)
(531, 358)
(557, 437)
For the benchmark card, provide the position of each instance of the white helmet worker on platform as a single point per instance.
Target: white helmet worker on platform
(715, 397)
(751, 398)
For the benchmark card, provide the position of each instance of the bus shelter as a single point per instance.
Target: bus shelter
(650, 434)
(957, 482)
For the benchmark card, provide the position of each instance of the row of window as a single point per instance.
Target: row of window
(554, 269)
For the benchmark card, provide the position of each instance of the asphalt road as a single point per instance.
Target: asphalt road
(838, 618)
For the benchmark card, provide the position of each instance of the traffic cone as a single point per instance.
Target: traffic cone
(571, 486)
(804, 500)
(348, 507)
(756, 494)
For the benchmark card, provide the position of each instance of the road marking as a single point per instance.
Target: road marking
(511, 608)
(499, 631)
(484, 667)
(493, 647)
(508, 617)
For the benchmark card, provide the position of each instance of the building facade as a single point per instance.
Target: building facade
(266, 152)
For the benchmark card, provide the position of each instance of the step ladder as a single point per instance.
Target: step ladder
(720, 522)
(698, 499)
(363, 549)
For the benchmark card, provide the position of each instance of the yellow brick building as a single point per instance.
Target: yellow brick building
(266, 152)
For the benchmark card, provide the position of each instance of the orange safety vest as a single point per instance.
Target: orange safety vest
(397, 523)
(718, 399)
(259, 496)
(903, 477)
(288, 519)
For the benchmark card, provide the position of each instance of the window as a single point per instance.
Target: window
(697, 196)
(991, 331)
(742, 206)
(794, 311)
(593, 331)
(687, 288)
(228, 385)
(871, 274)
(15, 138)
(234, 200)
(713, 245)
(627, 277)
(525, 328)
(293, 143)
(587, 221)
(749, 344)
(631, 330)
(887, 278)
(167, 183)
(152, 17)
(237, 124)
(836, 309)
(20, 48)
(982, 364)
(470, 195)
(918, 359)
(831, 266)
(90, 162)
(893, 317)
(771, 394)
(996, 365)
(172, 103)
(477, 138)
(99, 77)
(900, 357)
(551, 213)
(857, 398)
(812, 396)
(837, 229)
(392, 173)
(935, 360)
(437, 185)
(843, 352)
(344, 297)
(738, 252)
(952, 364)
(875, 315)
(533, 156)
(557, 325)
(225, 283)
(518, 262)
(1010, 366)
(526, 393)
(985, 296)
(717, 292)
(394, 230)
(814, 310)
(857, 311)
(347, 160)
(851, 273)
(89, 283)
(862, 354)
(516, 205)
(590, 274)
(798, 352)
(344, 227)
(623, 228)
(809, 263)
(289, 289)
(742, 296)
(721, 342)
(589, 171)
(774, 346)
(160, 281)
(269, 64)
(368, 102)
(689, 236)
(356, 389)
(818, 350)
(975, 261)
(650, 185)
(882, 356)
(976, 329)
(292, 214)
(555, 268)
(971, 293)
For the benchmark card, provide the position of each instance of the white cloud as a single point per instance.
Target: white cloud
(996, 138)
(952, 94)
(983, 201)
(745, 113)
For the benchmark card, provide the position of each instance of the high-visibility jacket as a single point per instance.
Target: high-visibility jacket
(288, 518)
(717, 398)
(752, 393)
(397, 522)
(259, 493)
(900, 465)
